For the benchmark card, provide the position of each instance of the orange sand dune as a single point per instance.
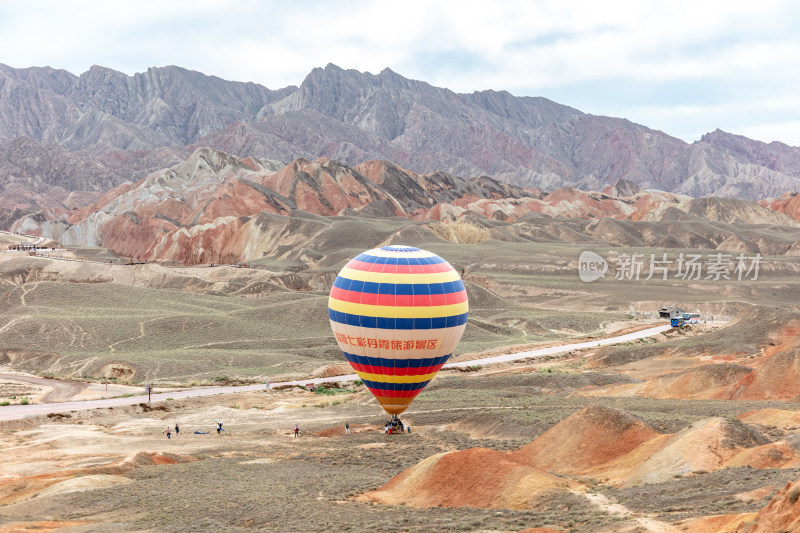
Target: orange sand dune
(780, 418)
(708, 381)
(771, 375)
(22, 488)
(782, 513)
(704, 446)
(593, 436)
(721, 523)
(597, 441)
(779, 454)
(477, 477)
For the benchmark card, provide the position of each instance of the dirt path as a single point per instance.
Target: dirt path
(60, 390)
(651, 525)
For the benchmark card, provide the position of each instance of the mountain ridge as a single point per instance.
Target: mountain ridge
(163, 114)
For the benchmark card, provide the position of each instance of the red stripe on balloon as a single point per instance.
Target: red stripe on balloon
(400, 300)
(400, 269)
(394, 393)
(389, 371)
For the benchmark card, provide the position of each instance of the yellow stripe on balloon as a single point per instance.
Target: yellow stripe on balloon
(391, 277)
(384, 378)
(388, 311)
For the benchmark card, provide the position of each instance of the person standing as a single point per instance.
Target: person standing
(347, 428)
(219, 428)
(296, 430)
(177, 429)
(169, 432)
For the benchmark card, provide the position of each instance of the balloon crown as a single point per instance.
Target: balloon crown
(400, 249)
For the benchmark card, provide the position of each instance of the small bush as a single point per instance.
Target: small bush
(5, 402)
(24, 401)
(332, 391)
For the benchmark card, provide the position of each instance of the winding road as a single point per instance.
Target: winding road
(61, 390)
(15, 412)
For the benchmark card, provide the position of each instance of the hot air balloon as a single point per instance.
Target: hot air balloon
(397, 313)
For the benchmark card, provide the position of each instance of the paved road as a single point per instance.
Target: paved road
(14, 412)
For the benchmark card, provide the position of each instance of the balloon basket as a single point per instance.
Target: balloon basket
(394, 426)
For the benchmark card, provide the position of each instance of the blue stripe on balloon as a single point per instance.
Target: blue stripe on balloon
(395, 386)
(366, 258)
(396, 363)
(403, 289)
(397, 323)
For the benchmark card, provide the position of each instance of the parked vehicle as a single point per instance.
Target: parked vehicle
(691, 318)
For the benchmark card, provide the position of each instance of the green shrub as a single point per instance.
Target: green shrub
(24, 401)
(332, 391)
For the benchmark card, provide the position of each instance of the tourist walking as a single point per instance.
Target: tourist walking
(296, 430)
(347, 428)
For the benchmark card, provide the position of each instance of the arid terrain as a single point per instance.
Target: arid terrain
(692, 430)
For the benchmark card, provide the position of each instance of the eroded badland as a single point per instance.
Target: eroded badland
(695, 429)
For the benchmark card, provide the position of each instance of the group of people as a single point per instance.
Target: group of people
(395, 425)
(168, 431)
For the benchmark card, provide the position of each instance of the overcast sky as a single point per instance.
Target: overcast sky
(685, 68)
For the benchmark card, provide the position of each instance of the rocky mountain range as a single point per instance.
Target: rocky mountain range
(106, 127)
(214, 207)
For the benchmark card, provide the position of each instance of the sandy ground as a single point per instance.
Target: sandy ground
(116, 470)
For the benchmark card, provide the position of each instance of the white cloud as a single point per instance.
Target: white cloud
(740, 52)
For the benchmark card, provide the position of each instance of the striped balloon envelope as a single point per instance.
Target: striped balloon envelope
(397, 313)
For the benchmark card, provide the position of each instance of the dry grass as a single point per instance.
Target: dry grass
(460, 232)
